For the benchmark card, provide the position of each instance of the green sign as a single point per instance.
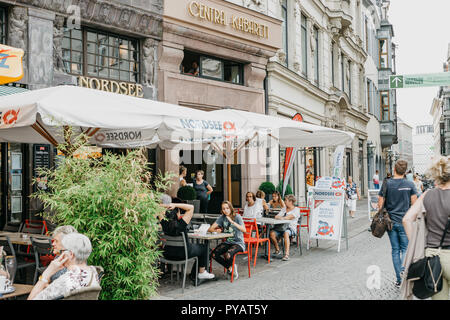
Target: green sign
(419, 80)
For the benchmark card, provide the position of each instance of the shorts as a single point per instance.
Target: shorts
(280, 234)
(351, 203)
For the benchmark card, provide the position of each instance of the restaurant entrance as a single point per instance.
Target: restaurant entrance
(212, 164)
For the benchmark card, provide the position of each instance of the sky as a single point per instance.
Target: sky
(422, 36)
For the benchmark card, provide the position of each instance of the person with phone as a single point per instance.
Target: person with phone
(79, 275)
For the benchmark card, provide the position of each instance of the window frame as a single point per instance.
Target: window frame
(4, 25)
(383, 107)
(381, 54)
(84, 70)
(304, 36)
(284, 16)
(316, 55)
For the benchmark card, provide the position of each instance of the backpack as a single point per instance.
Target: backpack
(381, 221)
(170, 224)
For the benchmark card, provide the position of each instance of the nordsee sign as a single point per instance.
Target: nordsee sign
(419, 80)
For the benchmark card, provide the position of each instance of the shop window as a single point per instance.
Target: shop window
(101, 54)
(199, 65)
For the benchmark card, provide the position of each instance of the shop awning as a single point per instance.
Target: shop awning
(7, 90)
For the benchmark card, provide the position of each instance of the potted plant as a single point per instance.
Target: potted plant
(268, 188)
(188, 194)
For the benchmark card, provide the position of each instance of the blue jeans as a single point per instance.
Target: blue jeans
(399, 244)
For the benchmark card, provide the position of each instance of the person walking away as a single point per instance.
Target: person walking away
(419, 185)
(203, 189)
(233, 223)
(289, 212)
(437, 214)
(376, 180)
(351, 194)
(410, 176)
(400, 195)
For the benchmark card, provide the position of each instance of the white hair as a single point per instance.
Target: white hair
(64, 230)
(79, 245)
(166, 199)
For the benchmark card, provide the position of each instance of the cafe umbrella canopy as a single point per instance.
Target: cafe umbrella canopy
(119, 121)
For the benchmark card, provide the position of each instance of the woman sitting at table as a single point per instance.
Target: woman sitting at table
(79, 274)
(292, 213)
(182, 222)
(230, 222)
(252, 209)
(276, 202)
(260, 195)
(58, 234)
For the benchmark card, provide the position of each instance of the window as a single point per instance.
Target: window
(3, 24)
(284, 14)
(342, 72)
(366, 33)
(383, 53)
(304, 47)
(384, 96)
(349, 80)
(101, 54)
(200, 65)
(333, 56)
(316, 55)
(369, 97)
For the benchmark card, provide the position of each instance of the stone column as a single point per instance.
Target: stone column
(40, 55)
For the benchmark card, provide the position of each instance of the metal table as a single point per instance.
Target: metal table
(270, 222)
(207, 238)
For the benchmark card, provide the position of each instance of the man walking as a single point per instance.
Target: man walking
(399, 195)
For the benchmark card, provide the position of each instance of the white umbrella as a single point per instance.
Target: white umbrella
(110, 119)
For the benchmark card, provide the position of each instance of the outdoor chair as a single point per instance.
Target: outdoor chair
(256, 240)
(9, 249)
(305, 211)
(12, 227)
(88, 293)
(179, 241)
(100, 272)
(42, 248)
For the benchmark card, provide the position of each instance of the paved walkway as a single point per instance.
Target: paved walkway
(320, 273)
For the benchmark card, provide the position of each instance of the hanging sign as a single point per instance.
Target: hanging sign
(11, 68)
(326, 214)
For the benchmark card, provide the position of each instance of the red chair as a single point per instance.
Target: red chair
(247, 235)
(255, 240)
(305, 212)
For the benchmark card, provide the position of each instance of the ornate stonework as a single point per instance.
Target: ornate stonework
(256, 5)
(149, 61)
(17, 34)
(58, 35)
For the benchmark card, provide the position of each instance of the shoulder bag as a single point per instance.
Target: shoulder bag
(282, 226)
(426, 273)
(381, 221)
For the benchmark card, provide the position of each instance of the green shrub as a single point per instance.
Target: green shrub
(187, 193)
(268, 187)
(110, 201)
(288, 189)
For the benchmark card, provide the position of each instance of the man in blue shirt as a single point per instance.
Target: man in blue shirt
(400, 195)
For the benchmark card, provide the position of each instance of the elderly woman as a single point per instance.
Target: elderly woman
(78, 275)
(58, 234)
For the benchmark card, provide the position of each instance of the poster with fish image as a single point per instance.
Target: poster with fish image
(326, 214)
(372, 202)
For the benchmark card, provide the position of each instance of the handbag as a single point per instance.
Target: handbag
(282, 226)
(381, 221)
(426, 273)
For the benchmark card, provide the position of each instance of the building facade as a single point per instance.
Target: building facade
(214, 55)
(105, 45)
(423, 148)
(404, 148)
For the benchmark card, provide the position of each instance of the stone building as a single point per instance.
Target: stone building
(404, 148)
(105, 45)
(423, 148)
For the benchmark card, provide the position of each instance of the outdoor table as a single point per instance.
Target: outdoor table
(17, 237)
(207, 238)
(21, 289)
(270, 222)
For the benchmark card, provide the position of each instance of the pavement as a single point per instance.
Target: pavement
(363, 272)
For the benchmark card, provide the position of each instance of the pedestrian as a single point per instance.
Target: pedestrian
(351, 194)
(203, 189)
(400, 194)
(376, 179)
(419, 185)
(410, 176)
(233, 223)
(437, 214)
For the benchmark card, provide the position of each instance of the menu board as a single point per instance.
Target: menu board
(41, 159)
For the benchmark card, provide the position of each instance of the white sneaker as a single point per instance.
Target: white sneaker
(205, 275)
(235, 272)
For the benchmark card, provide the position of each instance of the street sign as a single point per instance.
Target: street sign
(419, 80)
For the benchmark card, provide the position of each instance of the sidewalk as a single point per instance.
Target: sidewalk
(320, 273)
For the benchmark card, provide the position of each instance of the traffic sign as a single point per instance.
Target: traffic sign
(419, 80)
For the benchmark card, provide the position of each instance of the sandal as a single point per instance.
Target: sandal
(285, 258)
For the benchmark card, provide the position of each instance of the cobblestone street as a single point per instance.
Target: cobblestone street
(320, 273)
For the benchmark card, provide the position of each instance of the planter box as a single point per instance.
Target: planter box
(196, 204)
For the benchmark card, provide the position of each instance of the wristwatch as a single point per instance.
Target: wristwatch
(41, 278)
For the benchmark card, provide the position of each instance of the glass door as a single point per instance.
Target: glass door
(15, 177)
